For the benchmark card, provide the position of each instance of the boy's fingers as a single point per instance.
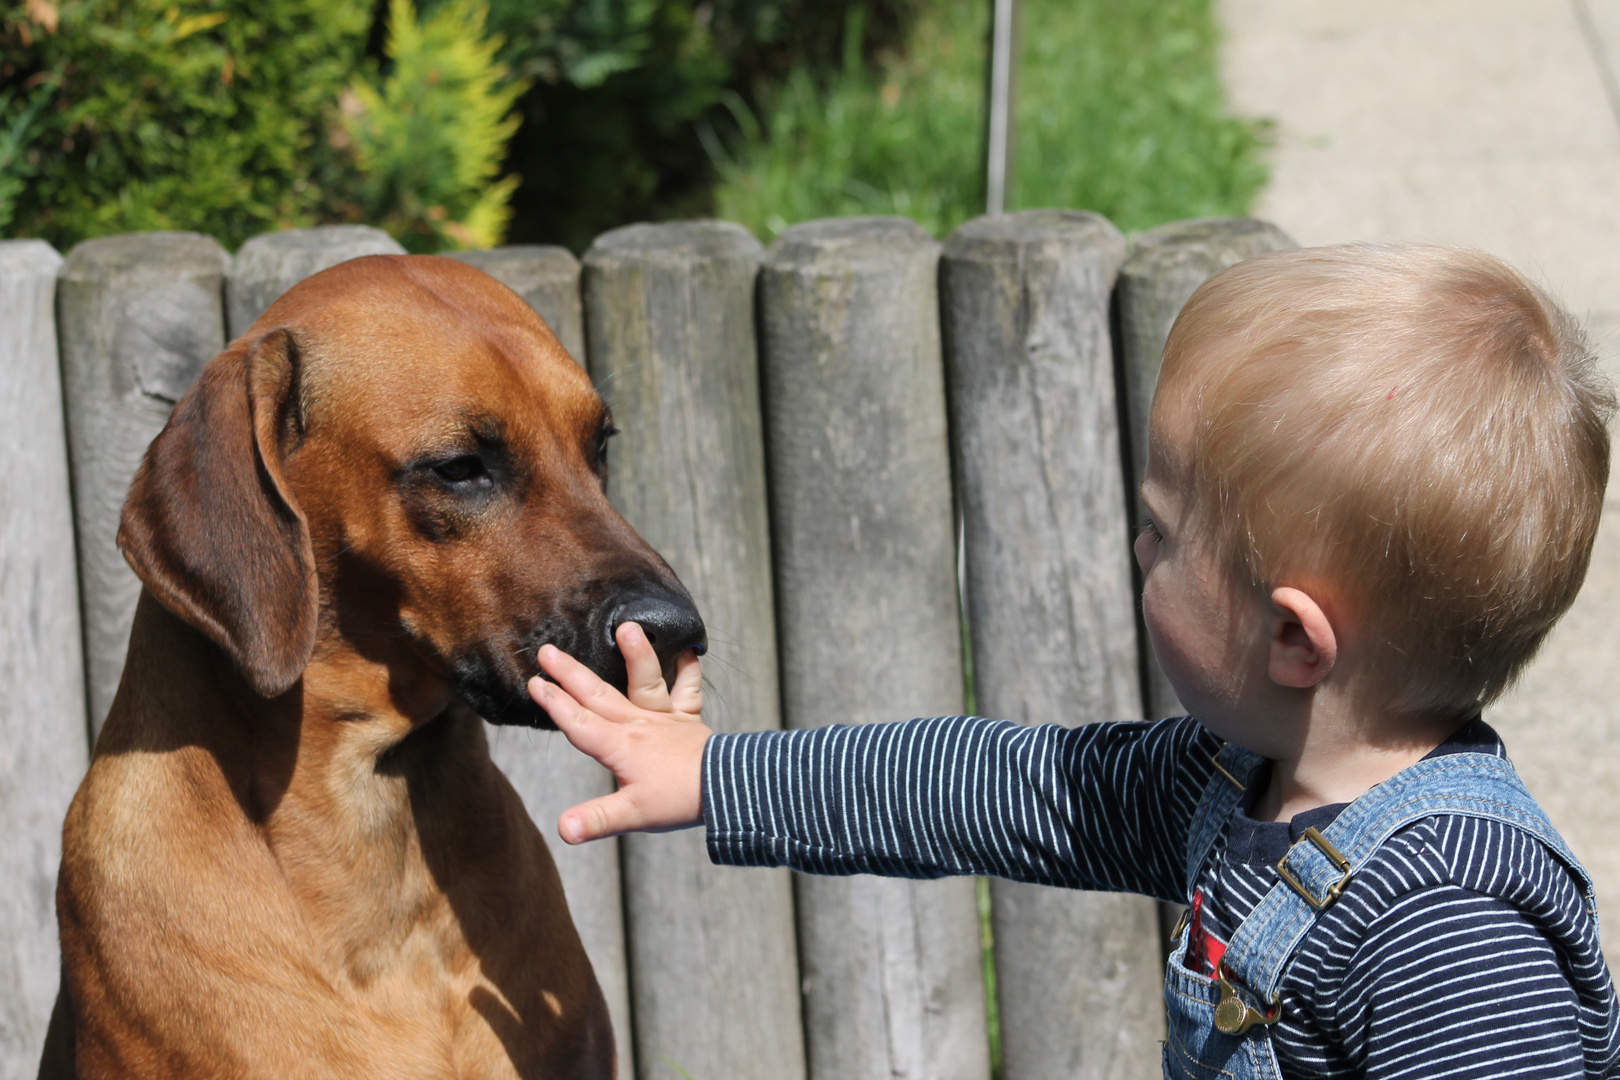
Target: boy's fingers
(605, 816)
(584, 686)
(645, 673)
(687, 694)
(579, 725)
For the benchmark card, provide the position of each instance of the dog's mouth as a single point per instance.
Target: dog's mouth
(494, 680)
(498, 702)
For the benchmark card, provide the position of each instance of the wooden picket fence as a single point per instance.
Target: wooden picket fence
(805, 428)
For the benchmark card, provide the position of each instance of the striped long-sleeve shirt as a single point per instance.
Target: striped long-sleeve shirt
(1461, 949)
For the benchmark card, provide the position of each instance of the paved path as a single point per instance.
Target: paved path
(1492, 124)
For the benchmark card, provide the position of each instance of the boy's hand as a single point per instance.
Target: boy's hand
(653, 741)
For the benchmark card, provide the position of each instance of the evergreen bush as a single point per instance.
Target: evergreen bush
(425, 142)
(231, 118)
(626, 94)
(202, 116)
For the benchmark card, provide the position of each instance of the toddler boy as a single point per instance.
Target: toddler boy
(1374, 478)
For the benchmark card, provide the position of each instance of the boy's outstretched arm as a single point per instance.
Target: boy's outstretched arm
(1101, 806)
(652, 739)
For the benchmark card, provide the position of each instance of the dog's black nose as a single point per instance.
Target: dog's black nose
(671, 623)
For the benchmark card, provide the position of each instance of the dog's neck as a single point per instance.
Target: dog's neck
(350, 795)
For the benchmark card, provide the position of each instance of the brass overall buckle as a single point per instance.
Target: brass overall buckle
(1233, 1015)
(1340, 863)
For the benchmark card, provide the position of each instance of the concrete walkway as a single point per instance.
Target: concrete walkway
(1492, 124)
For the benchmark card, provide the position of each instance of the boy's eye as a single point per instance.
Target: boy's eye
(1150, 529)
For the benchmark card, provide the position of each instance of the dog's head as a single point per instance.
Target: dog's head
(398, 461)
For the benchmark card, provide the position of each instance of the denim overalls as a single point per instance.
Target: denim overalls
(1219, 1027)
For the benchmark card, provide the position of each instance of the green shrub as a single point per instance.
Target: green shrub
(625, 92)
(426, 144)
(201, 116)
(19, 115)
(901, 136)
(233, 118)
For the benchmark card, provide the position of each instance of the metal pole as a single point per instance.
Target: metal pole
(998, 171)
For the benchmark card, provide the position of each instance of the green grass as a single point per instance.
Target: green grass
(902, 137)
(1120, 110)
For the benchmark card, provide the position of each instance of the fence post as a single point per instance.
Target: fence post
(548, 773)
(867, 614)
(137, 317)
(271, 263)
(547, 278)
(1164, 268)
(43, 747)
(670, 322)
(1025, 309)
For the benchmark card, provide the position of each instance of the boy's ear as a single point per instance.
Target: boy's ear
(1303, 645)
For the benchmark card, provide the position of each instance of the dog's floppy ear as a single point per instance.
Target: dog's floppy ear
(209, 526)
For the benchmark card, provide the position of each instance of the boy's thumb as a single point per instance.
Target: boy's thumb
(605, 816)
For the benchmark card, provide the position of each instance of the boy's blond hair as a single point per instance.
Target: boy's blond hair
(1420, 431)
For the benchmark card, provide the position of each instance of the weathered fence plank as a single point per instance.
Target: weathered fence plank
(43, 738)
(270, 264)
(547, 278)
(1025, 311)
(867, 611)
(1164, 268)
(670, 324)
(545, 770)
(137, 317)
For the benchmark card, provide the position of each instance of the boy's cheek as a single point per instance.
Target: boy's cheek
(1166, 635)
(1158, 634)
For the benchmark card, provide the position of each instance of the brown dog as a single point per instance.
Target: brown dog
(292, 856)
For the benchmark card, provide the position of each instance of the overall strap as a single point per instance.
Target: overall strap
(1234, 767)
(1318, 868)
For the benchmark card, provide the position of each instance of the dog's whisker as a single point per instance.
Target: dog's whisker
(720, 661)
(714, 702)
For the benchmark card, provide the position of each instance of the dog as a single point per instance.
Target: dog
(292, 855)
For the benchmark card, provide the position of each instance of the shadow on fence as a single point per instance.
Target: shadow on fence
(803, 425)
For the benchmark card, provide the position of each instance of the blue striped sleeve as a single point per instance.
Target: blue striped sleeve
(1103, 806)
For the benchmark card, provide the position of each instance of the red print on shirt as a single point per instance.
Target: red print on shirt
(1204, 949)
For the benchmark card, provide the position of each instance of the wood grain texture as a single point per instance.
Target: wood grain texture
(137, 317)
(549, 774)
(44, 740)
(270, 264)
(867, 612)
(547, 278)
(1039, 480)
(670, 330)
(1163, 269)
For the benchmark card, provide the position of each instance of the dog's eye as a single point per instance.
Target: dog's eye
(465, 469)
(607, 433)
